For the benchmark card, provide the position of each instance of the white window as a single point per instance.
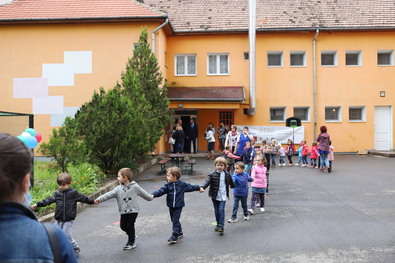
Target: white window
(277, 114)
(385, 58)
(185, 65)
(333, 114)
(274, 58)
(298, 58)
(303, 113)
(353, 58)
(328, 58)
(218, 64)
(356, 114)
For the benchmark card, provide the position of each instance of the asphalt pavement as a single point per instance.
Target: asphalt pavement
(344, 216)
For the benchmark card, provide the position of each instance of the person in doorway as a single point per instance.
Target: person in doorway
(192, 135)
(222, 131)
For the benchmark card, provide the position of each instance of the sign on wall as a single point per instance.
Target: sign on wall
(280, 133)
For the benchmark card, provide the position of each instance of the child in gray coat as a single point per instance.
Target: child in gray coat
(126, 194)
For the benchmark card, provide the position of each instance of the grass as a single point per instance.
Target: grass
(86, 179)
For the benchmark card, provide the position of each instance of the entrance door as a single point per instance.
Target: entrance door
(382, 128)
(186, 117)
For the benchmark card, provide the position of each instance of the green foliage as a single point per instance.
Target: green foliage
(64, 146)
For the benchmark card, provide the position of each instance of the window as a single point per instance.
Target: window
(385, 58)
(226, 117)
(298, 58)
(275, 58)
(218, 64)
(246, 55)
(328, 58)
(277, 114)
(185, 65)
(356, 114)
(332, 114)
(353, 58)
(302, 113)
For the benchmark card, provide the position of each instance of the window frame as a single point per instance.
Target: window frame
(359, 58)
(278, 108)
(339, 113)
(307, 114)
(227, 117)
(218, 64)
(281, 53)
(303, 53)
(185, 55)
(363, 113)
(330, 52)
(390, 52)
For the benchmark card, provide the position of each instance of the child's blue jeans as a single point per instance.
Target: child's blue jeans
(175, 214)
(243, 200)
(219, 211)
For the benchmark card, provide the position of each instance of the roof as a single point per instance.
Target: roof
(224, 93)
(204, 16)
(33, 10)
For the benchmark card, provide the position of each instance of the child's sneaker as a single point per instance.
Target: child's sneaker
(216, 228)
(262, 209)
(246, 218)
(173, 239)
(296, 164)
(77, 251)
(250, 211)
(181, 235)
(129, 246)
(221, 229)
(232, 221)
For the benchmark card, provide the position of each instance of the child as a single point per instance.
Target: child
(219, 182)
(305, 152)
(281, 153)
(258, 186)
(240, 192)
(314, 155)
(290, 151)
(230, 157)
(331, 156)
(66, 199)
(175, 190)
(267, 150)
(274, 152)
(246, 156)
(126, 194)
(299, 151)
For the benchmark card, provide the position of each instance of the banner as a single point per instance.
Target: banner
(280, 133)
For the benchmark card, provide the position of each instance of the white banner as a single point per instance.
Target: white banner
(280, 133)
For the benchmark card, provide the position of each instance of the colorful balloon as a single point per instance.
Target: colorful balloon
(31, 142)
(38, 137)
(31, 131)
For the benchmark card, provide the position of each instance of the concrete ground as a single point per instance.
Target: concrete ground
(345, 216)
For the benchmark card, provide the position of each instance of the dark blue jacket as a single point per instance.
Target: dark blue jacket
(175, 193)
(241, 181)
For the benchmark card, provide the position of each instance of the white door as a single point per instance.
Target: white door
(382, 128)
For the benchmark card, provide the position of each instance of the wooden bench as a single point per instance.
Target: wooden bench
(162, 164)
(189, 165)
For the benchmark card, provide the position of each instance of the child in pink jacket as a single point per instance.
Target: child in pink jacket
(258, 186)
(314, 155)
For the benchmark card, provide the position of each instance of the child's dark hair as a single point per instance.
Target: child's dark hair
(228, 147)
(127, 172)
(314, 143)
(240, 164)
(175, 172)
(63, 178)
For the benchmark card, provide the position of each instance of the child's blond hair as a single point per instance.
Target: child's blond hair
(221, 160)
(126, 172)
(175, 172)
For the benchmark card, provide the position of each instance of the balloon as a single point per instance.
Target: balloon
(31, 142)
(38, 137)
(31, 131)
(22, 138)
(25, 134)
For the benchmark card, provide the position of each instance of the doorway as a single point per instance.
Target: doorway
(185, 117)
(382, 128)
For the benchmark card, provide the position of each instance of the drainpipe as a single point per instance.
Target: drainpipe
(252, 38)
(153, 34)
(315, 81)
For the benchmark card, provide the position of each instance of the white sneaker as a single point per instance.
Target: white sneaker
(296, 164)
(262, 209)
(232, 220)
(279, 164)
(250, 211)
(283, 164)
(246, 218)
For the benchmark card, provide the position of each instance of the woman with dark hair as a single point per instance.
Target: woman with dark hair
(323, 148)
(23, 238)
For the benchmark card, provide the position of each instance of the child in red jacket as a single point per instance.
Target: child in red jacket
(314, 155)
(305, 152)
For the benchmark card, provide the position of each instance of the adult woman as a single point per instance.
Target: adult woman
(23, 238)
(179, 136)
(241, 141)
(231, 137)
(210, 142)
(323, 148)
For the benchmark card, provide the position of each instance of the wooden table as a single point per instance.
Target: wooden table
(177, 159)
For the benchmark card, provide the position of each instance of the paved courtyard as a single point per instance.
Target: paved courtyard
(345, 216)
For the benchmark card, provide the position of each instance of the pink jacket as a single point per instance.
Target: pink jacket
(305, 150)
(314, 152)
(259, 175)
(230, 155)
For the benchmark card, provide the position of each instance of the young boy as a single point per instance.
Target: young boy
(219, 182)
(240, 192)
(230, 158)
(247, 156)
(175, 190)
(126, 194)
(66, 199)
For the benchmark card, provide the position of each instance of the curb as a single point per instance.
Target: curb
(104, 189)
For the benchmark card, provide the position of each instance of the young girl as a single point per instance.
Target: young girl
(258, 185)
(281, 153)
(331, 156)
(126, 194)
(290, 151)
(314, 155)
(305, 152)
(246, 157)
(210, 142)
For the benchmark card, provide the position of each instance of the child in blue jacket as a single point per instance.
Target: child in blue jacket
(175, 190)
(240, 192)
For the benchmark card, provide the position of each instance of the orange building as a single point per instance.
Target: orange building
(326, 63)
